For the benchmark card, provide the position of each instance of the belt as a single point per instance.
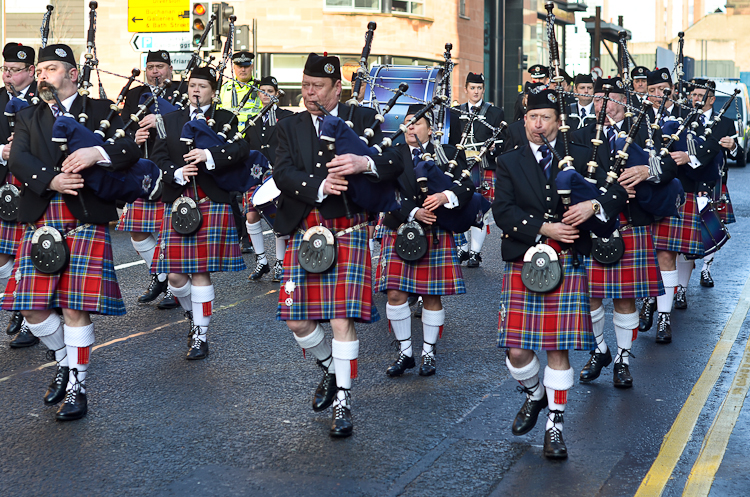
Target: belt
(72, 232)
(341, 233)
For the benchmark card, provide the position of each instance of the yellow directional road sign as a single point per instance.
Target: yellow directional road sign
(158, 15)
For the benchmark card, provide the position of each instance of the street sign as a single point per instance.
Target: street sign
(179, 60)
(597, 72)
(158, 15)
(171, 42)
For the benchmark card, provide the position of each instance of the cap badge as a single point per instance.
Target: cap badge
(21, 54)
(328, 68)
(275, 83)
(60, 52)
(552, 98)
(619, 84)
(164, 55)
(664, 76)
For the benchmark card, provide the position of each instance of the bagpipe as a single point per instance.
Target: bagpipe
(361, 72)
(597, 140)
(554, 55)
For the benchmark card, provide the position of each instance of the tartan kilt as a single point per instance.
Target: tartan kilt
(247, 201)
(438, 272)
(88, 283)
(344, 291)
(460, 240)
(725, 209)
(487, 184)
(559, 320)
(636, 275)
(10, 232)
(213, 248)
(680, 234)
(142, 216)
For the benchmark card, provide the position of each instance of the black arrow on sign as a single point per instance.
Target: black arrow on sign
(185, 15)
(134, 19)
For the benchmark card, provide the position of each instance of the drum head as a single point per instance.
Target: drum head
(264, 200)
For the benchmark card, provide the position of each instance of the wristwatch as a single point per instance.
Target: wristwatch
(596, 206)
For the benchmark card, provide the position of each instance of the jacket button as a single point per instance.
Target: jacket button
(304, 183)
(296, 192)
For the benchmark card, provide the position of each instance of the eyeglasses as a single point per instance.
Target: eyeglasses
(13, 70)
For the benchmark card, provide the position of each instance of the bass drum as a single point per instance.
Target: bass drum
(423, 83)
(264, 199)
(713, 230)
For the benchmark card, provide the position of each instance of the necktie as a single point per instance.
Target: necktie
(611, 135)
(56, 111)
(415, 156)
(320, 125)
(583, 112)
(194, 114)
(546, 161)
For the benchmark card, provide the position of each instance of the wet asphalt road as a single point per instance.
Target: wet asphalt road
(240, 422)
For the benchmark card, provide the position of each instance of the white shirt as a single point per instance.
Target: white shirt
(589, 108)
(452, 199)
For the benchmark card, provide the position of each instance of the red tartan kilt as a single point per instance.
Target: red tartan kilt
(142, 216)
(247, 200)
(680, 234)
(487, 186)
(636, 275)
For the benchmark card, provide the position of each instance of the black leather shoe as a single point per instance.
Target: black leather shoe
(593, 368)
(401, 364)
(245, 246)
(621, 377)
(155, 288)
(554, 446)
(341, 422)
(278, 271)
(680, 298)
(418, 310)
(474, 259)
(56, 390)
(526, 418)
(260, 270)
(198, 348)
(74, 407)
(168, 302)
(15, 323)
(463, 256)
(664, 328)
(646, 317)
(24, 339)
(326, 390)
(706, 279)
(428, 365)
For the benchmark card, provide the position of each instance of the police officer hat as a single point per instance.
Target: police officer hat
(538, 71)
(58, 52)
(474, 78)
(205, 72)
(545, 99)
(659, 76)
(616, 84)
(269, 81)
(639, 72)
(323, 66)
(583, 79)
(243, 58)
(15, 52)
(161, 56)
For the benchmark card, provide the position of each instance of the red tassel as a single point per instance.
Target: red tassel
(488, 229)
(83, 355)
(635, 333)
(440, 333)
(207, 309)
(304, 356)
(561, 397)
(353, 368)
(390, 328)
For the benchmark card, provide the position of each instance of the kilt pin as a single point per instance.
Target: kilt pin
(88, 283)
(438, 272)
(10, 232)
(141, 216)
(344, 291)
(681, 233)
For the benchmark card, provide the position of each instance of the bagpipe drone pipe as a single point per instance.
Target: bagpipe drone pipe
(702, 147)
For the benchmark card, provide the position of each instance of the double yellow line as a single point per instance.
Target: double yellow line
(714, 445)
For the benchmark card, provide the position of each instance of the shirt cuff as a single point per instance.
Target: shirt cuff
(104, 154)
(179, 178)
(412, 214)
(373, 169)
(694, 162)
(210, 163)
(452, 200)
(601, 215)
(321, 196)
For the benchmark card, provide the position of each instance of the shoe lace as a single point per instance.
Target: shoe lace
(556, 417)
(70, 396)
(340, 405)
(681, 290)
(431, 353)
(663, 322)
(624, 353)
(51, 355)
(259, 265)
(168, 294)
(555, 435)
(428, 359)
(397, 343)
(323, 366)
(197, 342)
(705, 273)
(529, 391)
(59, 375)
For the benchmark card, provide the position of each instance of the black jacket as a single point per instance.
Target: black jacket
(493, 116)
(130, 107)
(265, 139)
(168, 154)
(410, 192)
(34, 157)
(300, 168)
(523, 196)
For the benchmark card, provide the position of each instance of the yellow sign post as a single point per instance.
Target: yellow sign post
(158, 15)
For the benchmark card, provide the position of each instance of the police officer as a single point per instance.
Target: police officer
(232, 92)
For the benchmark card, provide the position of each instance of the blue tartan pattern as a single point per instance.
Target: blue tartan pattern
(460, 240)
(681, 233)
(142, 216)
(438, 272)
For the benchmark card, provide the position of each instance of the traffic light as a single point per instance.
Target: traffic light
(223, 12)
(525, 62)
(199, 15)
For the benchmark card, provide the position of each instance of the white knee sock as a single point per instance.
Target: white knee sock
(78, 342)
(399, 317)
(626, 330)
(345, 358)
(664, 302)
(477, 238)
(684, 270)
(528, 377)
(432, 329)
(557, 383)
(316, 343)
(255, 232)
(280, 249)
(202, 298)
(707, 261)
(6, 269)
(50, 332)
(145, 249)
(182, 295)
(597, 320)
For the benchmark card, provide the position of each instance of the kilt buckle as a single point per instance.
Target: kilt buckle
(49, 250)
(186, 216)
(9, 202)
(411, 241)
(541, 271)
(607, 250)
(317, 252)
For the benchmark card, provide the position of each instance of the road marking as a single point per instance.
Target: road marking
(682, 429)
(129, 264)
(715, 444)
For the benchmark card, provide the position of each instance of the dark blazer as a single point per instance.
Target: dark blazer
(167, 154)
(515, 136)
(130, 107)
(5, 130)
(300, 168)
(493, 116)
(265, 139)
(523, 196)
(575, 109)
(410, 192)
(726, 127)
(34, 158)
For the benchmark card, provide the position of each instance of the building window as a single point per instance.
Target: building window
(366, 5)
(415, 7)
(462, 8)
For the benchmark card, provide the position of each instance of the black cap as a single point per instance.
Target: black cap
(243, 58)
(538, 71)
(269, 81)
(414, 108)
(659, 76)
(159, 56)
(583, 79)
(323, 66)
(566, 76)
(15, 52)
(530, 87)
(639, 72)
(545, 99)
(616, 84)
(205, 72)
(475, 78)
(59, 52)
